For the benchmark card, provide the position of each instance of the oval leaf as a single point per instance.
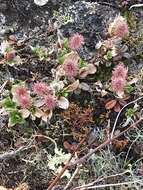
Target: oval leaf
(39, 113)
(72, 86)
(84, 86)
(83, 72)
(47, 115)
(63, 103)
(117, 107)
(91, 69)
(109, 105)
(73, 55)
(39, 103)
(25, 113)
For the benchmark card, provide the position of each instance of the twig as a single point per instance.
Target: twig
(48, 138)
(72, 178)
(112, 185)
(3, 86)
(84, 158)
(100, 179)
(13, 153)
(116, 120)
(136, 6)
(129, 149)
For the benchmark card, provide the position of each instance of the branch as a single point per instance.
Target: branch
(140, 181)
(12, 154)
(72, 178)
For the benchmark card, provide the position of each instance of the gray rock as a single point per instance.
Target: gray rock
(89, 19)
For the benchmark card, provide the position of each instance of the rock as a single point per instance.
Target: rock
(89, 19)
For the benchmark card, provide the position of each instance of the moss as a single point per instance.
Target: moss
(131, 19)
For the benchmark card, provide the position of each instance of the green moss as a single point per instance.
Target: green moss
(131, 19)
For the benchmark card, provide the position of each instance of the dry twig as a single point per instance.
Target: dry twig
(14, 153)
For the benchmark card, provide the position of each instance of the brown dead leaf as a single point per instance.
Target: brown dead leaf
(83, 72)
(47, 115)
(88, 70)
(39, 113)
(25, 113)
(72, 55)
(120, 144)
(72, 86)
(91, 69)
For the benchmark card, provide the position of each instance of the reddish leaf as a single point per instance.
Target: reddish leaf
(69, 146)
(9, 56)
(126, 98)
(117, 107)
(109, 105)
(122, 102)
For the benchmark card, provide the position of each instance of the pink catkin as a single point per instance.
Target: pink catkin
(50, 102)
(24, 101)
(120, 71)
(118, 85)
(118, 80)
(70, 67)
(76, 41)
(119, 27)
(22, 97)
(21, 91)
(41, 88)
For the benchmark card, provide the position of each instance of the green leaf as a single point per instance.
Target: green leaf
(129, 89)
(61, 55)
(64, 93)
(41, 53)
(33, 110)
(66, 43)
(8, 104)
(83, 63)
(108, 56)
(15, 118)
(131, 112)
(61, 59)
